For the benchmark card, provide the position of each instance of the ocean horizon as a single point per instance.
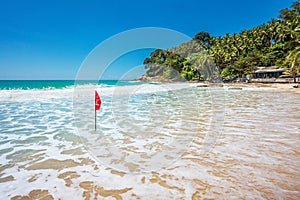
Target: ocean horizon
(57, 84)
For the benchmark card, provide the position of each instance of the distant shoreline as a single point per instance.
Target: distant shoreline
(286, 86)
(294, 87)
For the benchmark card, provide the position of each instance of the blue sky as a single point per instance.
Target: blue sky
(50, 39)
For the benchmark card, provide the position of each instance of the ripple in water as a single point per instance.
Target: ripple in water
(256, 156)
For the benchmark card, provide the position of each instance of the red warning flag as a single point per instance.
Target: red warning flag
(97, 101)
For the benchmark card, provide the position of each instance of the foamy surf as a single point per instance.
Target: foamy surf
(256, 156)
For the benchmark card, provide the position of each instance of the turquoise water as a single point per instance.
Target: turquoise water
(57, 84)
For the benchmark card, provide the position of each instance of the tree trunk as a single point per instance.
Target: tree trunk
(294, 77)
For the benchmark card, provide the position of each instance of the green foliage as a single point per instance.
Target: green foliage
(204, 39)
(293, 59)
(237, 55)
(227, 73)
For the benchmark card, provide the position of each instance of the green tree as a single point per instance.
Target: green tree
(205, 66)
(273, 43)
(293, 59)
(204, 39)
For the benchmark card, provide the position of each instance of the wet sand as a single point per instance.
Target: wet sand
(287, 86)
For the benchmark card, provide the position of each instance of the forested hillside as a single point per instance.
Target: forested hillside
(276, 43)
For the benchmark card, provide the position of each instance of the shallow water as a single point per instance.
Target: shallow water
(165, 142)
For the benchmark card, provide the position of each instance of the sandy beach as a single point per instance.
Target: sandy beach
(287, 86)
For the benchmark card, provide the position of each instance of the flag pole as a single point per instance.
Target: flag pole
(95, 111)
(97, 106)
(95, 120)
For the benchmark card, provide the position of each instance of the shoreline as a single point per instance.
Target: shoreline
(285, 86)
(293, 87)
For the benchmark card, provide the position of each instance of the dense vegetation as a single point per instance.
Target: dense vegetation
(205, 57)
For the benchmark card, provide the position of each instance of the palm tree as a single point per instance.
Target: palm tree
(294, 61)
(205, 66)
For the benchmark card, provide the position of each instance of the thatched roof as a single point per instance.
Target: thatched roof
(269, 69)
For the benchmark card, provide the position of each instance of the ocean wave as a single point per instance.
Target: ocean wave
(87, 90)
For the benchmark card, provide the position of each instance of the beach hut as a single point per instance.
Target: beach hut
(267, 72)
